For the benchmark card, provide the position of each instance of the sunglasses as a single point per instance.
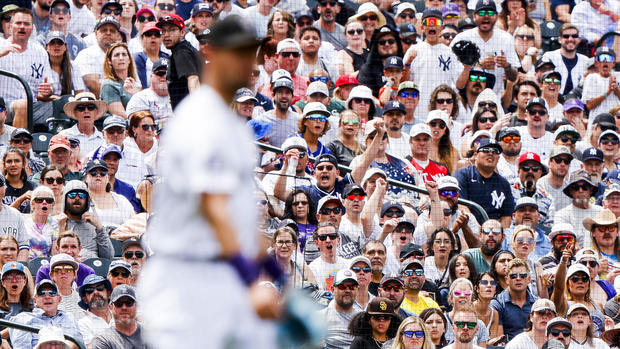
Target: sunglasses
(495, 231)
(518, 275)
(288, 54)
(130, 254)
(359, 100)
(128, 302)
(528, 241)
(410, 334)
(51, 180)
(485, 119)
(540, 112)
(556, 332)
(98, 173)
(592, 264)
(445, 100)
(154, 33)
(332, 237)
(304, 23)
(491, 105)
(407, 15)
(322, 167)
(412, 94)
(50, 293)
(470, 324)
(449, 36)
(61, 268)
(410, 272)
(408, 41)
(435, 123)
(83, 107)
(606, 58)
(350, 122)
(464, 294)
(394, 213)
(526, 37)
(432, 22)
(449, 193)
(356, 196)
(296, 203)
(326, 211)
(146, 19)
(22, 140)
(374, 133)
(117, 11)
(350, 287)
(488, 282)
(371, 17)
(509, 139)
(489, 13)
(387, 41)
(552, 81)
(613, 141)
(565, 239)
(41, 200)
(323, 79)
(606, 228)
(161, 74)
(355, 31)
(480, 78)
(116, 273)
(92, 289)
(576, 187)
(14, 277)
(490, 150)
(147, 127)
(358, 269)
(331, 3)
(568, 36)
(59, 10)
(316, 118)
(117, 130)
(395, 288)
(565, 139)
(577, 278)
(168, 7)
(82, 195)
(530, 168)
(559, 160)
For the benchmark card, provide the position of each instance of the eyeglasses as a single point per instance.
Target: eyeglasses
(44, 293)
(51, 180)
(350, 122)
(98, 173)
(495, 231)
(528, 241)
(606, 58)
(432, 22)
(565, 238)
(356, 196)
(14, 277)
(404, 15)
(387, 41)
(41, 200)
(464, 293)
(316, 118)
(552, 81)
(128, 302)
(161, 74)
(115, 273)
(576, 187)
(483, 13)
(297, 203)
(449, 36)
(355, 31)
(613, 141)
(592, 264)
(412, 94)
(490, 150)
(556, 332)
(147, 127)
(509, 139)
(470, 324)
(481, 78)
(488, 282)
(410, 272)
(491, 105)
(371, 17)
(72, 195)
(410, 334)
(288, 54)
(530, 168)
(23, 140)
(154, 33)
(567, 36)
(323, 79)
(526, 37)
(485, 119)
(168, 7)
(59, 10)
(83, 107)
(130, 254)
(435, 123)
(284, 242)
(145, 19)
(559, 160)
(518, 275)
(445, 100)
(92, 289)
(326, 211)
(350, 287)
(63, 268)
(391, 214)
(358, 269)
(324, 237)
(359, 100)
(540, 112)
(116, 11)
(449, 193)
(388, 288)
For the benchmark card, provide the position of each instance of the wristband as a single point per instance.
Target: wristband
(271, 266)
(605, 94)
(246, 269)
(407, 65)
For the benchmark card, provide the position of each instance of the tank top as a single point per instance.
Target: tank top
(358, 60)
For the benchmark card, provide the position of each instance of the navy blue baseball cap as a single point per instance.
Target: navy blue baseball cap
(489, 143)
(391, 204)
(592, 153)
(394, 62)
(201, 7)
(394, 105)
(90, 280)
(613, 176)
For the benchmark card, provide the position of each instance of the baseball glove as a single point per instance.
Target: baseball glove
(467, 52)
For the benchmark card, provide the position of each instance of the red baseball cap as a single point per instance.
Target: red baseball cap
(172, 19)
(346, 80)
(150, 26)
(529, 156)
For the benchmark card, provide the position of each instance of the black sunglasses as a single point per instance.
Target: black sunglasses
(330, 236)
(146, 19)
(92, 289)
(127, 302)
(567, 36)
(559, 160)
(59, 10)
(435, 123)
(288, 54)
(168, 7)
(326, 211)
(355, 31)
(147, 127)
(83, 107)
(152, 33)
(394, 213)
(116, 273)
(331, 3)
(51, 180)
(565, 139)
(445, 100)
(592, 264)
(487, 105)
(519, 275)
(530, 168)
(161, 73)
(387, 41)
(130, 254)
(556, 332)
(109, 11)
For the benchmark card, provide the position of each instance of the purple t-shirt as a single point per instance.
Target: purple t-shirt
(83, 271)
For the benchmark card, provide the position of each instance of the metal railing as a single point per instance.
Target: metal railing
(22, 327)
(472, 205)
(29, 98)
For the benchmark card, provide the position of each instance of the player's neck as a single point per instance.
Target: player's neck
(214, 80)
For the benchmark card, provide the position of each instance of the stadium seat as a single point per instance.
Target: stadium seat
(99, 265)
(59, 120)
(40, 142)
(118, 247)
(36, 263)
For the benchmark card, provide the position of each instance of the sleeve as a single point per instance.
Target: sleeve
(109, 93)
(76, 78)
(461, 178)
(100, 342)
(589, 88)
(85, 64)
(86, 330)
(22, 233)
(136, 103)
(104, 245)
(186, 64)
(508, 206)
(511, 54)
(42, 273)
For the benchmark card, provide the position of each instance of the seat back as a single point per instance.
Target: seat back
(36, 263)
(99, 265)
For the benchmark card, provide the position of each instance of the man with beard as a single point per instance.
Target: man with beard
(569, 136)
(530, 171)
(398, 141)
(561, 235)
(593, 161)
(514, 303)
(480, 183)
(95, 296)
(496, 46)
(127, 332)
(413, 275)
(282, 118)
(331, 31)
(422, 61)
(527, 212)
(324, 268)
(77, 217)
(393, 288)
(491, 238)
(570, 64)
(522, 93)
(534, 135)
(510, 140)
(41, 18)
(134, 254)
(600, 90)
(580, 188)
(375, 251)
(155, 98)
(465, 325)
(340, 311)
(478, 80)
(553, 183)
(420, 145)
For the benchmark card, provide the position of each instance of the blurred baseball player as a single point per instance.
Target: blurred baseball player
(200, 288)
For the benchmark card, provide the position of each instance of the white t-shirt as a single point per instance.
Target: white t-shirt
(206, 167)
(501, 41)
(556, 113)
(82, 20)
(521, 341)
(325, 273)
(399, 146)
(116, 216)
(147, 99)
(433, 66)
(541, 146)
(12, 223)
(92, 325)
(594, 86)
(90, 61)
(259, 22)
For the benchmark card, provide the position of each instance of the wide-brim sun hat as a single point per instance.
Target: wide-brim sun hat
(366, 8)
(603, 217)
(85, 98)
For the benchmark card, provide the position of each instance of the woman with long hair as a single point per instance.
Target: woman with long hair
(447, 99)
(281, 25)
(499, 268)
(514, 14)
(484, 119)
(412, 334)
(375, 326)
(300, 207)
(18, 187)
(347, 146)
(460, 266)
(284, 244)
(526, 48)
(352, 57)
(139, 146)
(42, 229)
(361, 266)
(582, 332)
(441, 246)
(15, 293)
(128, 16)
(461, 296)
(436, 324)
(485, 287)
(267, 61)
(441, 147)
(523, 243)
(52, 177)
(68, 78)
(535, 334)
(120, 79)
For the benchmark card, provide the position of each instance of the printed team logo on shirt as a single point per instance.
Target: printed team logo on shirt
(498, 200)
(37, 70)
(444, 63)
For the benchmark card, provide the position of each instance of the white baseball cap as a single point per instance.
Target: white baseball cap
(419, 129)
(294, 142)
(439, 114)
(447, 182)
(371, 172)
(286, 44)
(317, 86)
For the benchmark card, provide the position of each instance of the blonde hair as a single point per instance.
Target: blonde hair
(456, 283)
(398, 342)
(516, 232)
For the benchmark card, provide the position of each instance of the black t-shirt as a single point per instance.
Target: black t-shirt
(12, 194)
(184, 61)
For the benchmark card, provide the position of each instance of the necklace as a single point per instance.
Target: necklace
(378, 342)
